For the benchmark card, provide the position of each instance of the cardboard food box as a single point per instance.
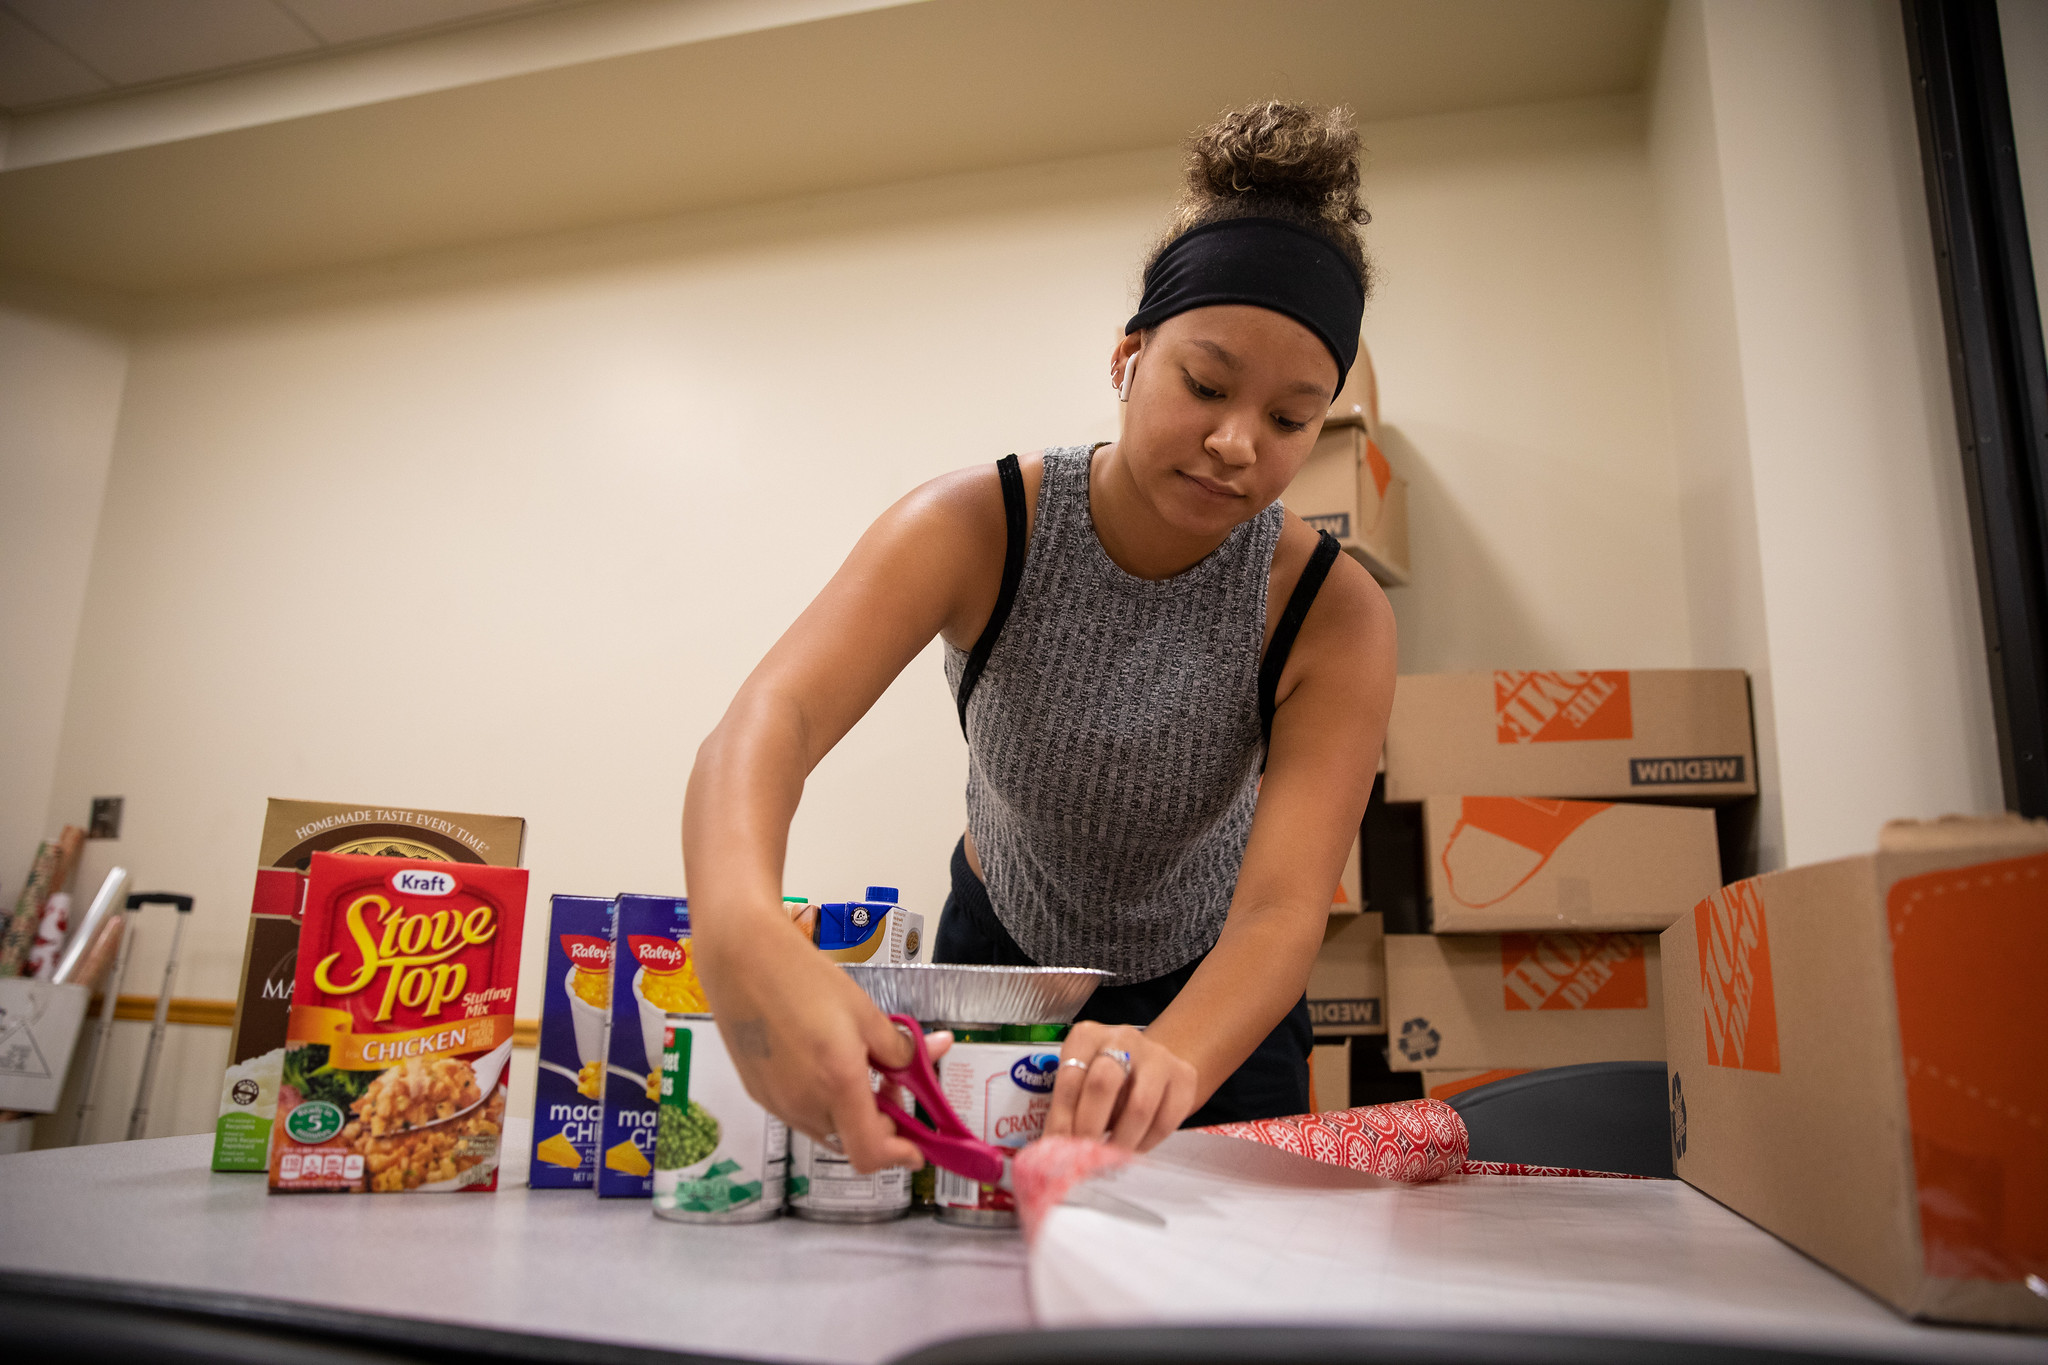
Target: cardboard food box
(1347, 984)
(1350, 897)
(1673, 734)
(653, 976)
(293, 831)
(1500, 864)
(1859, 1063)
(1348, 489)
(394, 1075)
(1483, 1001)
(875, 929)
(575, 1015)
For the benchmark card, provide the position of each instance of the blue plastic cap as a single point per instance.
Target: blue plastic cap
(881, 895)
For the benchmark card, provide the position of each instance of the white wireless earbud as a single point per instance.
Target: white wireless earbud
(1123, 395)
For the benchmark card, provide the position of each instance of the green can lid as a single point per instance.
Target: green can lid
(1034, 1033)
(796, 900)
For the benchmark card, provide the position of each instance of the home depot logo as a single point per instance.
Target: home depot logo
(1735, 979)
(1574, 972)
(1545, 707)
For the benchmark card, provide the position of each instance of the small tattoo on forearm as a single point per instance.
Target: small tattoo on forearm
(749, 1037)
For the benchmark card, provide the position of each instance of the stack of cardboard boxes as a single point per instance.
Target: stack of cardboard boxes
(1535, 832)
(1349, 488)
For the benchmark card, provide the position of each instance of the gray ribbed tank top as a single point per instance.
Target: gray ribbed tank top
(1114, 742)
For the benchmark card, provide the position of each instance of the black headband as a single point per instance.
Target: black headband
(1264, 262)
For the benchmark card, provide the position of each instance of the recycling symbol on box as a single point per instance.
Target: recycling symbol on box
(1418, 1041)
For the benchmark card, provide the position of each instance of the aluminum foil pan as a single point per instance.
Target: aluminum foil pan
(951, 993)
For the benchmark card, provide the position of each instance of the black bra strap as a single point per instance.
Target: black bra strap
(1304, 596)
(1012, 475)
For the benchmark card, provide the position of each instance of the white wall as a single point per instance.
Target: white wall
(1517, 336)
(1866, 596)
(503, 531)
(60, 394)
(1717, 501)
(2023, 31)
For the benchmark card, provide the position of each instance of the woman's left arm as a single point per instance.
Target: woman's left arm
(1328, 727)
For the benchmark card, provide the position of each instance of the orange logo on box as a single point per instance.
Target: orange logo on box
(1574, 972)
(1967, 948)
(1477, 874)
(1546, 707)
(1382, 472)
(1735, 979)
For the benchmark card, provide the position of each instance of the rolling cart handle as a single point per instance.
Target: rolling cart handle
(138, 1119)
(142, 898)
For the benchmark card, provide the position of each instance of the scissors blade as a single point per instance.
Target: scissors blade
(1092, 1196)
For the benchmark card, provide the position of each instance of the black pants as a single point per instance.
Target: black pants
(1272, 1082)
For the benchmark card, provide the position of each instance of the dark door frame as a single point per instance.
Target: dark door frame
(1996, 367)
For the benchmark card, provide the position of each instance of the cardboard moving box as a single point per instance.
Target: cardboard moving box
(1483, 1002)
(1504, 863)
(1673, 734)
(1350, 897)
(1348, 489)
(1859, 1063)
(1329, 1076)
(1348, 983)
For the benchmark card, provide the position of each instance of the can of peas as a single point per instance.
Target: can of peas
(718, 1156)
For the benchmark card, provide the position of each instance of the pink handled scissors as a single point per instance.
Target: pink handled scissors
(950, 1143)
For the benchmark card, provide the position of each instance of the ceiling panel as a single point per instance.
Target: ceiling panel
(133, 41)
(896, 94)
(34, 70)
(355, 21)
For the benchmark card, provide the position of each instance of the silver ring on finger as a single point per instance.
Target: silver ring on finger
(1074, 1061)
(1119, 1056)
(830, 1142)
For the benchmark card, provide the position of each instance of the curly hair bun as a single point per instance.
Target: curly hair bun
(1276, 159)
(1293, 152)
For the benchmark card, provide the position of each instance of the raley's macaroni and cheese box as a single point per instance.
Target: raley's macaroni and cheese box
(1680, 735)
(575, 1011)
(1858, 1056)
(1505, 863)
(1347, 985)
(292, 832)
(653, 976)
(875, 929)
(401, 1026)
(1348, 489)
(1484, 1001)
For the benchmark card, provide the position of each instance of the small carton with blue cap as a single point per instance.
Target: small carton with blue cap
(873, 929)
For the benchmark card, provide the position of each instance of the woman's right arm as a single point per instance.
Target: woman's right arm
(797, 1027)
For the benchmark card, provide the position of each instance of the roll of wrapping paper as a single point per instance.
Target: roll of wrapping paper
(20, 932)
(1412, 1142)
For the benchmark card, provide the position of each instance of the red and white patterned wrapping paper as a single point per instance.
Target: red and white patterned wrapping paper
(1412, 1142)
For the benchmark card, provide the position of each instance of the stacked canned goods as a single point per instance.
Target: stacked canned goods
(718, 1156)
(999, 1079)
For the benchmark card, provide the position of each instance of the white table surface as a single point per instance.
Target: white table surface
(555, 1262)
(1255, 1235)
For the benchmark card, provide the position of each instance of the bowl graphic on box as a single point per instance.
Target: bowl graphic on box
(590, 1021)
(681, 995)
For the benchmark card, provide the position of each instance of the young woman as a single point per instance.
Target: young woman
(1174, 694)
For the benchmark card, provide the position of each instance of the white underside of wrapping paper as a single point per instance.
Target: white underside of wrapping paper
(1256, 1235)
